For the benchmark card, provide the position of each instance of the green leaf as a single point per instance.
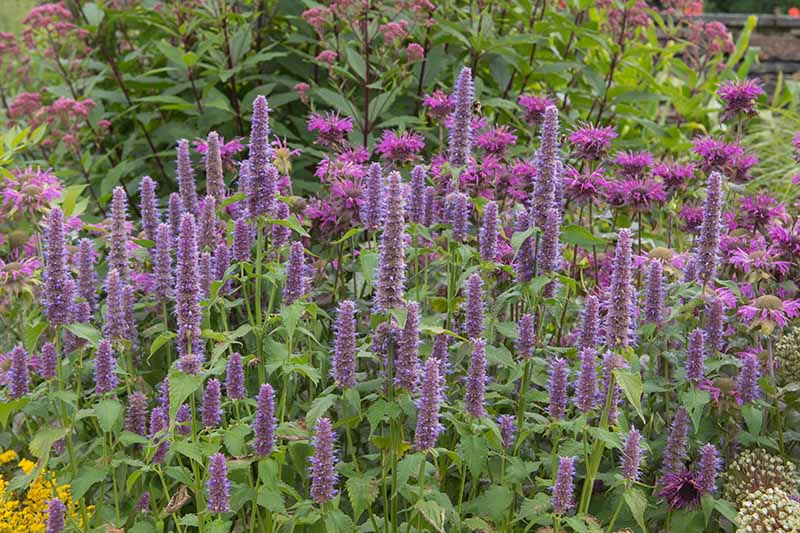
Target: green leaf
(87, 476)
(695, 400)
(476, 451)
(160, 341)
(181, 386)
(219, 526)
(631, 384)
(754, 418)
(292, 223)
(86, 332)
(382, 410)
(494, 502)
(44, 439)
(108, 412)
(291, 315)
(520, 237)
(362, 490)
(338, 101)
(369, 262)
(69, 197)
(433, 513)
(637, 503)
(32, 334)
(580, 236)
(234, 440)
(336, 521)
(9, 408)
(318, 408)
(94, 15)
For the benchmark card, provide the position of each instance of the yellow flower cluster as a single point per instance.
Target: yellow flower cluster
(27, 513)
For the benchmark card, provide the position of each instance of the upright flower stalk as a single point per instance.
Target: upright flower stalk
(391, 275)
(460, 148)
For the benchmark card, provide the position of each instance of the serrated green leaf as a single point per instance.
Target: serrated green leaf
(631, 385)
(637, 503)
(108, 412)
(362, 491)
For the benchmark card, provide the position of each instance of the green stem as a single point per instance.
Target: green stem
(615, 515)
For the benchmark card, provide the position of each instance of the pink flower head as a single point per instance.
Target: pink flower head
(716, 154)
(301, 88)
(739, 168)
(585, 187)
(327, 56)
(638, 193)
(674, 175)
(28, 191)
(761, 210)
(317, 17)
(758, 257)
(401, 147)
(590, 142)
(740, 97)
(692, 218)
(534, 107)
(331, 128)
(633, 164)
(393, 31)
(770, 310)
(415, 52)
(439, 104)
(496, 140)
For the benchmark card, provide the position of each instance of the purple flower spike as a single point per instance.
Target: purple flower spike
(143, 503)
(586, 384)
(55, 516)
(264, 424)
(524, 262)
(590, 323)
(441, 354)
(280, 234)
(208, 235)
(695, 356)
(184, 420)
(162, 264)
(343, 370)
(706, 252)
(159, 421)
(55, 271)
(234, 377)
(557, 388)
(544, 194)
(476, 380)
(473, 323)
(715, 315)
(632, 455)
(488, 232)
(117, 326)
(675, 452)
(374, 210)
(49, 361)
(136, 415)
(563, 498)
(610, 363)
(204, 274)
(174, 215)
(549, 253)
(406, 361)
(417, 192)
(747, 388)
(296, 281)
(263, 177)
(87, 278)
(457, 208)
(118, 246)
(211, 410)
(526, 334)
(105, 379)
(428, 206)
(460, 147)
(654, 301)
(508, 429)
(708, 468)
(218, 487)
(428, 405)
(619, 296)
(222, 260)
(391, 275)
(187, 299)
(323, 463)
(148, 207)
(18, 378)
(185, 172)
(242, 240)
(215, 181)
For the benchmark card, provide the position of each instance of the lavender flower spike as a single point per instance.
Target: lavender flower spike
(544, 193)
(242, 240)
(323, 463)
(526, 333)
(264, 424)
(87, 278)
(105, 379)
(296, 282)
(55, 270)
(675, 452)
(563, 498)
(136, 415)
(619, 296)
(185, 172)
(557, 387)
(49, 361)
(708, 468)
(428, 405)
(118, 257)
(218, 487)
(654, 300)
(707, 251)
(211, 410)
(415, 202)
(747, 388)
(148, 207)
(488, 232)
(406, 361)
(162, 264)
(391, 275)
(117, 326)
(586, 385)
(374, 209)
(695, 356)
(263, 176)
(715, 313)
(549, 253)
(590, 323)
(187, 299)
(508, 429)
(215, 181)
(460, 146)
(18, 376)
(343, 369)
(174, 215)
(632, 455)
(457, 207)
(280, 234)
(473, 323)
(55, 516)
(476, 380)
(208, 233)
(234, 377)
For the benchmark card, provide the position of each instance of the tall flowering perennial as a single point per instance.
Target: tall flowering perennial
(525, 329)
(620, 296)
(476, 380)
(654, 296)
(415, 204)
(632, 455)
(586, 384)
(207, 235)
(215, 180)
(218, 486)
(557, 388)
(460, 147)
(589, 331)
(56, 510)
(264, 423)
(323, 463)
(457, 207)
(747, 388)
(508, 429)
(695, 356)
(187, 299)
(263, 176)
(590, 142)
(242, 240)
(563, 498)
(391, 275)
(428, 406)
(185, 174)
(343, 369)
(488, 232)
(118, 325)
(55, 275)
(296, 280)
(234, 377)
(136, 414)
(18, 375)
(706, 253)
(675, 452)
(162, 264)
(105, 364)
(406, 360)
(473, 322)
(549, 259)
(544, 193)
(87, 278)
(148, 207)
(48, 361)
(739, 97)
(118, 257)
(525, 260)
(210, 409)
(374, 208)
(708, 468)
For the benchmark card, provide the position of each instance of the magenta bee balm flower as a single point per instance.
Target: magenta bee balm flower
(400, 148)
(740, 97)
(590, 142)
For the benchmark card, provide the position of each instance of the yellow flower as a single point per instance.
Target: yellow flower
(8, 456)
